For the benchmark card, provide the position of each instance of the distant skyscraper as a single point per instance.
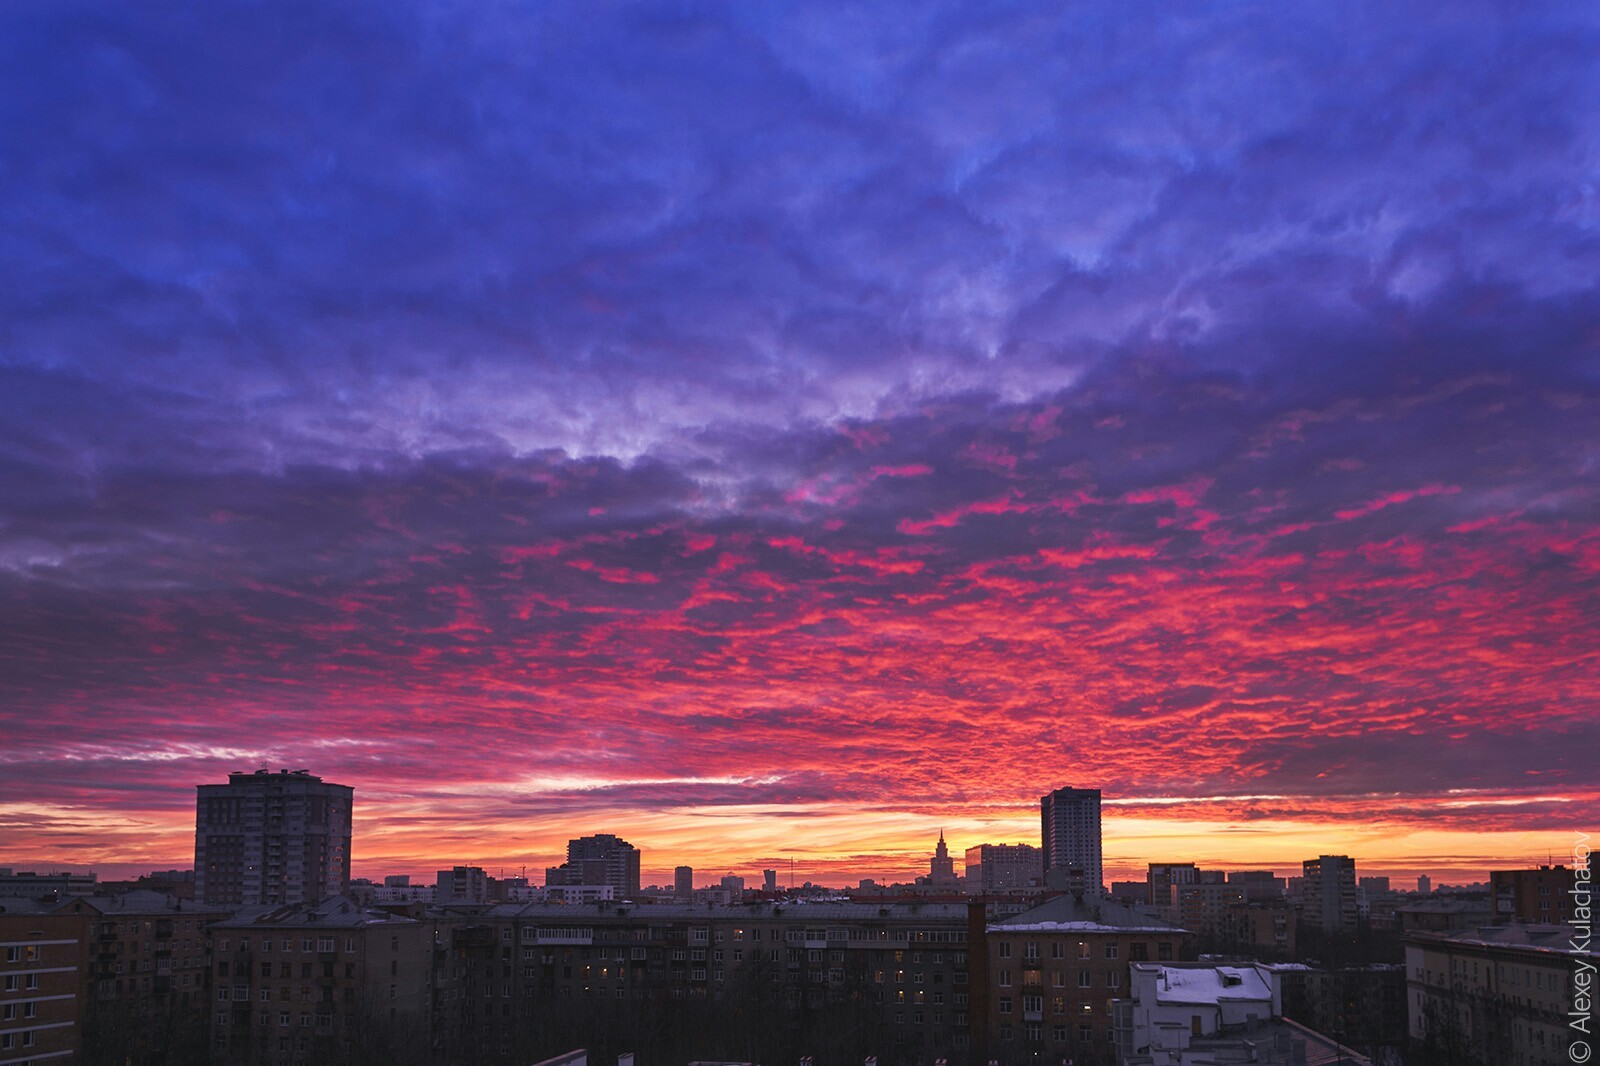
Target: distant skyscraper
(1424, 884)
(769, 881)
(683, 882)
(1328, 893)
(272, 838)
(599, 860)
(1070, 839)
(941, 868)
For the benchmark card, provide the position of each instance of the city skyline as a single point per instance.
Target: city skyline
(786, 432)
(913, 866)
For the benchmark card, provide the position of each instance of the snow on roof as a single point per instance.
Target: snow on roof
(1211, 984)
(1078, 927)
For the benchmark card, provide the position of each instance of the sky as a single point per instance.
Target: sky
(772, 431)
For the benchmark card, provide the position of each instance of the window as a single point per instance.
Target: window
(1084, 978)
(1005, 949)
(1058, 950)
(1083, 950)
(325, 943)
(1030, 951)
(1005, 1004)
(1111, 951)
(13, 954)
(1005, 978)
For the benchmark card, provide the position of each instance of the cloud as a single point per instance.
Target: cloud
(798, 407)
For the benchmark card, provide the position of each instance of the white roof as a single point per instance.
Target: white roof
(1215, 984)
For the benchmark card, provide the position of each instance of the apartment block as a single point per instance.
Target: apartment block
(1541, 895)
(303, 984)
(1328, 894)
(1493, 996)
(41, 986)
(269, 839)
(899, 972)
(145, 973)
(1053, 971)
(1070, 839)
(996, 868)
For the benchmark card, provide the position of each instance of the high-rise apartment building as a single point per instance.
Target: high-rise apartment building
(683, 882)
(1003, 867)
(1328, 893)
(1070, 839)
(272, 838)
(602, 859)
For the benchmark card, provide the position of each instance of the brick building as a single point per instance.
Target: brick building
(41, 989)
(1053, 971)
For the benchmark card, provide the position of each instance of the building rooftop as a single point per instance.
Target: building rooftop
(796, 910)
(1446, 906)
(1202, 984)
(1535, 937)
(1072, 914)
(335, 912)
(144, 901)
(23, 905)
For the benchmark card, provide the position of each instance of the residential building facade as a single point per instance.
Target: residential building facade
(269, 839)
(1070, 839)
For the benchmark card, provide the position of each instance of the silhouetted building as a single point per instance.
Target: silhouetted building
(272, 838)
(942, 868)
(1260, 886)
(1328, 894)
(461, 884)
(29, 885)
(1070, 839)
(992, 868)
(683, 882)
(769, 881)
(1161, 876)
(602, 859)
